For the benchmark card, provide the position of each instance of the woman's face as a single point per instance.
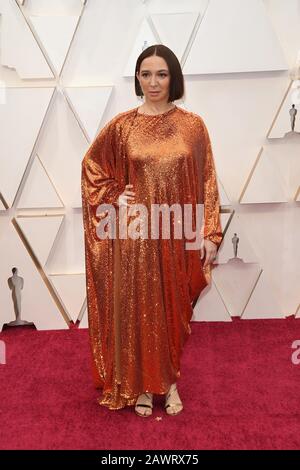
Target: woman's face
(154, 76)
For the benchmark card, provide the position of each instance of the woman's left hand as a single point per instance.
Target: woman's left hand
(209, 249)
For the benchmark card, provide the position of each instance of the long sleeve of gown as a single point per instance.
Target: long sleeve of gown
(212, 224)
(98, 182)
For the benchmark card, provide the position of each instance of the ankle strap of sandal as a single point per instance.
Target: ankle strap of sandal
(170, 393)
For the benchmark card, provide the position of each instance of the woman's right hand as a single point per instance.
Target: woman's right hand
(126, 196)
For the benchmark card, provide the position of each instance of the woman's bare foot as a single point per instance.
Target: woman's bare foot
(144, 405)
(173, 404)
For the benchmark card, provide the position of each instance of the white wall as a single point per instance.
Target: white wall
(67, 68)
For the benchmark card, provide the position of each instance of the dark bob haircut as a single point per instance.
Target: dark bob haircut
(176, 89)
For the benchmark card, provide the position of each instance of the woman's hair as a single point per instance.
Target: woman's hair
(176, 88)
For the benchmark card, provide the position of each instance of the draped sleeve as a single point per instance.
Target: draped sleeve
(102, 181)
(212, 229)
(98, 180)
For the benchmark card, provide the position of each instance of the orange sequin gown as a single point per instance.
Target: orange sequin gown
(140, 291)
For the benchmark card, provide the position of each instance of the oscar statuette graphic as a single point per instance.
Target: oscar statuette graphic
(293, 114)
(16, 284)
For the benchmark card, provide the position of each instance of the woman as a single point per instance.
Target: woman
(140, 291)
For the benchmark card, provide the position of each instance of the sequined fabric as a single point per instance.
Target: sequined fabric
(140, 291)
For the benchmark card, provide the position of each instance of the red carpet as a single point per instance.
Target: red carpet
(239, 388)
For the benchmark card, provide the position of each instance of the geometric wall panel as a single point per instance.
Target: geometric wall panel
(235, 36)
(282, 124)
(290, 289)
(224, 200)
(55, 7)
(167, 27)
(71, 290)
(98, 57)
(89, 105)
(288, 158)
(37, 304)
(283, 168)
(84, 320)
(38, 191)
(144, 39)
(19, 49)
(40, 233)
(274, 234)
(61, 149)
(266, 184)
(210, 306)
(242, 136)
(261, 305)
(285, 17)
(176, 6)
(55, 33)
(2, 207)
(67, 255)
(235, 282)
(225, 217)
(18, 133)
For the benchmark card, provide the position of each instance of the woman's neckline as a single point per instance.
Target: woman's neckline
(154, 115)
